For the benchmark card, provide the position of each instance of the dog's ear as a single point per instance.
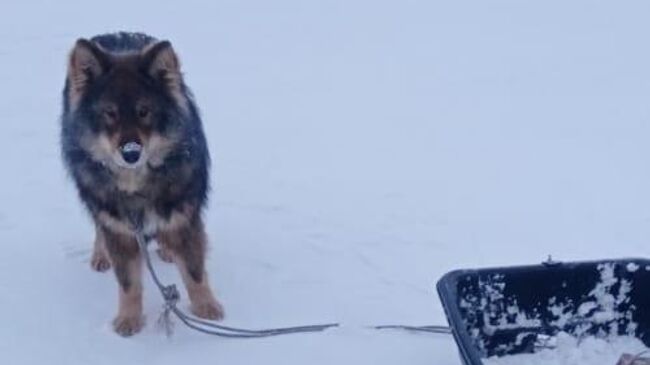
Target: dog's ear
(87, 62)
(161, 63)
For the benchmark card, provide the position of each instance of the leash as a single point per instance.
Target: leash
(171, 296)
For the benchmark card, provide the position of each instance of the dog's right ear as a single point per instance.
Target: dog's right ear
(87, 62)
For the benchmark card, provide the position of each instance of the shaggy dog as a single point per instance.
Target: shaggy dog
(133, 142)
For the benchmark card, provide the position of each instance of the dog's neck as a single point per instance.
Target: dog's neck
(131, 181)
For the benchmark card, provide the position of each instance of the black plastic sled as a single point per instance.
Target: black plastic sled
(512, 310)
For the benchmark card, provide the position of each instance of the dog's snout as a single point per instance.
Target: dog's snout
(131, 152)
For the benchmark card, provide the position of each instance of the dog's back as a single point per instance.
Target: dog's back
(123, 41)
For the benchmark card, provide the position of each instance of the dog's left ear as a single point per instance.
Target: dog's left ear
(161, 63)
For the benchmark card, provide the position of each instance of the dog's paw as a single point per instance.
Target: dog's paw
(99, 262)
(126, 326)
(165, 255)
(209, 309)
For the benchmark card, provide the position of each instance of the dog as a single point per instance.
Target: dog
(132, 140)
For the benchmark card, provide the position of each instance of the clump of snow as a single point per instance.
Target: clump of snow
(494, 312)
(603, 308)
(632, 267)
(570, 350)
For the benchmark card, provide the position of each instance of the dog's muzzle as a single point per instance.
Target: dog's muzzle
(131, 152)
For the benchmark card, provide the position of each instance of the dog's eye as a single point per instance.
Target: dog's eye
(143, 112)
(110, 113)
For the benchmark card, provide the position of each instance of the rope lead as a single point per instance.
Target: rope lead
(171, 296)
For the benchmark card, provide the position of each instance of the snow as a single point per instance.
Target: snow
(361, 150)
(571, 351)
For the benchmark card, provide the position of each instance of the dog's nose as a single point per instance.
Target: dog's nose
(131, 152)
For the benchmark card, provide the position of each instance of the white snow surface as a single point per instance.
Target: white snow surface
(571, 351)
(361, 150)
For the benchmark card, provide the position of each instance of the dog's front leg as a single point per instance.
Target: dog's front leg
(187, 244)
(99, 260)
(127, 264)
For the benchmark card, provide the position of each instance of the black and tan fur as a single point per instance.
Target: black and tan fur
(128, 87)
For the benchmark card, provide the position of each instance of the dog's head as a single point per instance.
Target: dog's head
(130, 104)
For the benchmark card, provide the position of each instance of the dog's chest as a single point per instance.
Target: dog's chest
(152, 223)
(131, 180)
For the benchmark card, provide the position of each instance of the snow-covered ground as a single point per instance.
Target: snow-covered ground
(361, 150)
(572, 351)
